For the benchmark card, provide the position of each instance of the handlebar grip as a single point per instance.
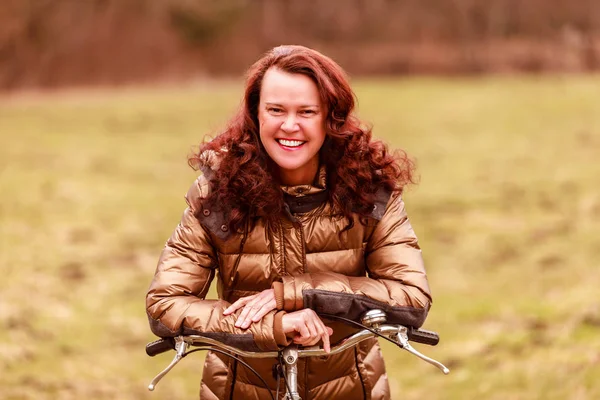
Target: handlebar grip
(423, 336)
(160, 346)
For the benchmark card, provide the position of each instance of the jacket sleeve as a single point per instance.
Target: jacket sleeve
(175, 302)
(396, 280)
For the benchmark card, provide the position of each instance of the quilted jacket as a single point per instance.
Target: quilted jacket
(310, 263)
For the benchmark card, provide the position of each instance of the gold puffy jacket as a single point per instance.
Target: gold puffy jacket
(310, 265)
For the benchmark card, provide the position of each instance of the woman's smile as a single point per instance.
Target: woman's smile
(288, 144)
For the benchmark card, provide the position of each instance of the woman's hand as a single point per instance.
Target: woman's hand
(306, 328)
(254, 307)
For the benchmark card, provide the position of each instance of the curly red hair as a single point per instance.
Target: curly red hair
(357, 166)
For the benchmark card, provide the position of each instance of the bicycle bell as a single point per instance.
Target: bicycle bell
(373, 318)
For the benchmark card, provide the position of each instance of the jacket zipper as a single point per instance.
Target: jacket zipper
(239, 256)
(298, 225)
(302, 244)
(281, 249)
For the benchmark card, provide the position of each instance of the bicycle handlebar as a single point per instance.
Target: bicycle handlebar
(397, 334)
(422, 336)
(165, 344)
(160, 346)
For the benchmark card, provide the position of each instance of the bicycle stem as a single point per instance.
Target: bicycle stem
(290, 357)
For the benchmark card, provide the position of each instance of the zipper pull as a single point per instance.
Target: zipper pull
(292, 217)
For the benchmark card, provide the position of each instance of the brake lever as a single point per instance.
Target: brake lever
(181, 347)
(405, 344)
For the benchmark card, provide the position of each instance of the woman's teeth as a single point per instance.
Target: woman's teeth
(290, 143)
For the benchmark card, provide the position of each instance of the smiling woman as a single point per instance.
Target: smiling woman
(300, 213)
(292, 125)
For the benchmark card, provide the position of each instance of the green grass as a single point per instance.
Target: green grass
(507, 211)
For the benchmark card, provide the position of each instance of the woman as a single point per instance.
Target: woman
(298, 213)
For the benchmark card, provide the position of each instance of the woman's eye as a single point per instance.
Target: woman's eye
(275, 110)
(308, 112)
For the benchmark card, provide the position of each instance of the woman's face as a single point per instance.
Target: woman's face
(292, 124)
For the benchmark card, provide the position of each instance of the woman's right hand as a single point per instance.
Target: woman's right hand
(305, 328)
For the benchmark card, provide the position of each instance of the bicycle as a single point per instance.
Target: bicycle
(373, 324)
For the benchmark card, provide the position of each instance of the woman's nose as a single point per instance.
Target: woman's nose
(290, 124)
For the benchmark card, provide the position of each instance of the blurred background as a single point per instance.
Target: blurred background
(498, 102)
(54, 43)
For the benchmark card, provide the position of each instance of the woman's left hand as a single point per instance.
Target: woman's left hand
(254, 307)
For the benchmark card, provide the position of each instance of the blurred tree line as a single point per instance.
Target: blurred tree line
(50, 43)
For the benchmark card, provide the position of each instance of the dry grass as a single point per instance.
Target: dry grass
(507, 211)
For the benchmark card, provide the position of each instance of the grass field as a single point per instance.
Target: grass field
(507, 211)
